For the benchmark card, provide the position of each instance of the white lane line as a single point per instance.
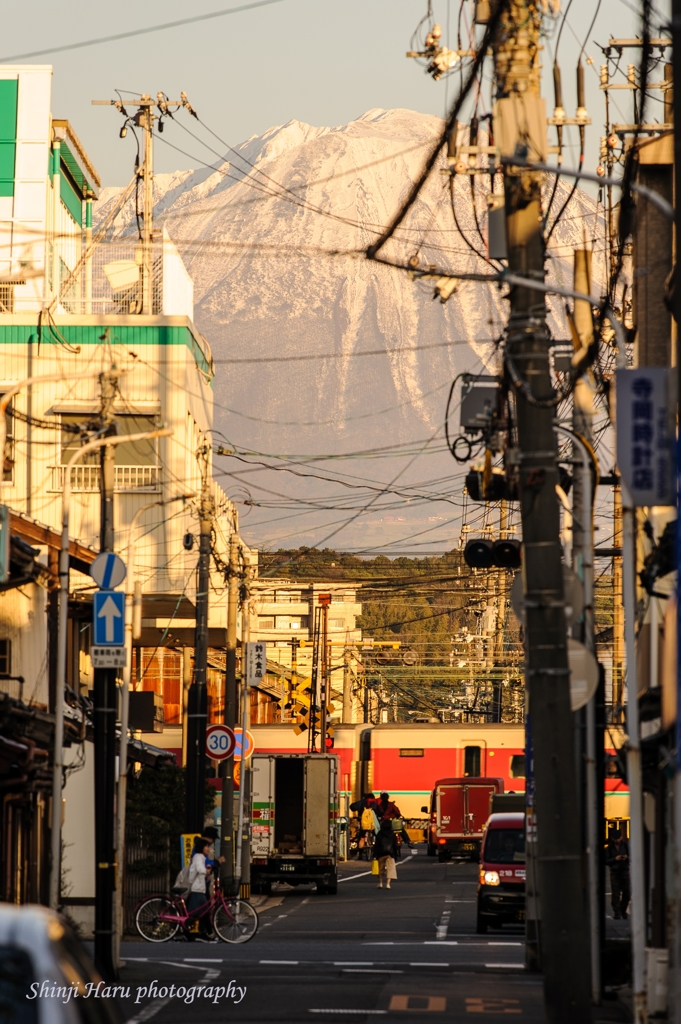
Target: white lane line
(200, 960)
(278, 961)
(154, 1007)
(519, 967)
(424, 963)
(369, 970)
(348, 878)
(138, 959)
(441, 942)
(504, 943)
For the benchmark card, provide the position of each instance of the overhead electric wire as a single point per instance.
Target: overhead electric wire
(115, 37)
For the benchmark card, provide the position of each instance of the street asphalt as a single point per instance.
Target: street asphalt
(408, 954)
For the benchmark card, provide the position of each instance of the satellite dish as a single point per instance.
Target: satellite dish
(583, 674)
(573, 590)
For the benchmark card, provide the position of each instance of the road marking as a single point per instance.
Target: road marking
(138, 959)
(200, 960)
(441, 942)
(278, 961)
(520, 967)
(348, 878)
(364, 1012)
(434, 1004)
(504, 943)
(493, 1006)
(370, 970)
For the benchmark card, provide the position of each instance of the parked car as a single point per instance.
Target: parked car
(36, 947)
(501, 888)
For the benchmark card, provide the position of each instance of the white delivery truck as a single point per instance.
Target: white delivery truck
(294, 817)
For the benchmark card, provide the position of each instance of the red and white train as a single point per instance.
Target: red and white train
(407, 759)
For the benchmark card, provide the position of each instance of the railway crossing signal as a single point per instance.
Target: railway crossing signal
(483, 553)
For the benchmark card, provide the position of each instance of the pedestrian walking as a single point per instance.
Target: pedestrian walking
(617, 859)
(386, 809)
(385, 852)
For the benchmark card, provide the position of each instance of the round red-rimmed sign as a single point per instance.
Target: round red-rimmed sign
(220, 742)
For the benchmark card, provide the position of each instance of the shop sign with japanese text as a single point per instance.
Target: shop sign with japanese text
(645, 434)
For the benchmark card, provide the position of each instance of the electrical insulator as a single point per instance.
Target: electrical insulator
(600, 171)
(460, 167)
(603, 151)
(613, 141)
(631, 74)
(604, 75)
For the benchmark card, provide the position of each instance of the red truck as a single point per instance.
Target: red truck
(459, 809)
(501, 888)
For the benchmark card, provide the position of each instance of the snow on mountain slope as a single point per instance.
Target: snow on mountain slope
(276, 252)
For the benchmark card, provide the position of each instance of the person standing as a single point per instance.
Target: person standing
(199, 871)
(617, 859)
(385, 852)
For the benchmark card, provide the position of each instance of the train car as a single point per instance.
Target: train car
(407, 759)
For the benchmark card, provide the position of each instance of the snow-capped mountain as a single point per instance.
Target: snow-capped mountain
(274, 235)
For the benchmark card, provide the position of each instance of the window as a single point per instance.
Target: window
(291, 621)
(471, 761)
(337, 623)
(5, 657)
(265, 623)
(517, 766)
(6, 298)
(133, 453)
(505, 846)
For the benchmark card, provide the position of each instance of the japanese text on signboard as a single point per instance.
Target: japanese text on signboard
(256, 662)
(645, 434)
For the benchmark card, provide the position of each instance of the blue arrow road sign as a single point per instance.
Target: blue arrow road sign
(108, 618)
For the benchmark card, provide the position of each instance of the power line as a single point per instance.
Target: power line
(138, 31)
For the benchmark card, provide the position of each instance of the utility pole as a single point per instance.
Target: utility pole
(104, 714)
(245, 781)
(227, 768)
(675, 973)
(520, 121)
(347, 687)
(144, 118)
(197, 702)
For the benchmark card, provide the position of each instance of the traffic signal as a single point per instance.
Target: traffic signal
(328, 741)
(497, 487)
(482, 553)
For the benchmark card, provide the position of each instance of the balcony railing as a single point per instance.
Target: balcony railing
(127, 479)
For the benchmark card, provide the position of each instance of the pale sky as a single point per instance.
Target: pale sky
(319, 62)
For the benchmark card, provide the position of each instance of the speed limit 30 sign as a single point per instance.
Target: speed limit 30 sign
(220, 742)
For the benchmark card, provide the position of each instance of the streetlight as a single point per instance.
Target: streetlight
(57, 768)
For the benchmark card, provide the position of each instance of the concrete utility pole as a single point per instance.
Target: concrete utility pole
(520, 122)
(198, 700)
(227, 867)
(675, 962)
(144, 118)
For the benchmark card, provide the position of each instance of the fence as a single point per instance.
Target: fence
(147, 872)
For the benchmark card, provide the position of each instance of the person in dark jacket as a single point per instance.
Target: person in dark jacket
(386, 809)
(385, 849)
(617, 859)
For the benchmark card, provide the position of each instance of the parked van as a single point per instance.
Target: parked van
(459, 809)
(501, 883)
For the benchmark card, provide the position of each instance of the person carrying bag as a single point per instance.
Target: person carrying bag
(385, 852)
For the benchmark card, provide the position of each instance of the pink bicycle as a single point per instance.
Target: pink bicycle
(159, 918)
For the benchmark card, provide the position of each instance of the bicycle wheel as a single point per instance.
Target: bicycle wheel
(239, 925)
(148, 921)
